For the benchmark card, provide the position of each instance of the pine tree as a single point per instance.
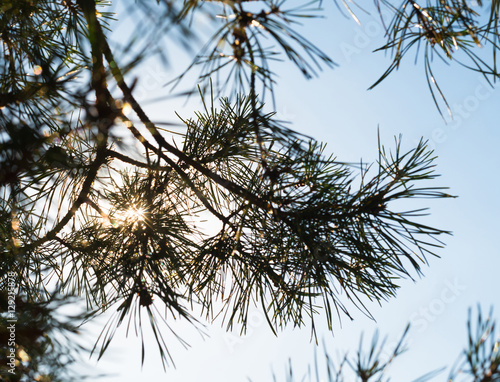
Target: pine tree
(83, 213)
(478, 362)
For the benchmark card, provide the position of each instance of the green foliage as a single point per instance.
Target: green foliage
(291, 228)
(479, 362)
(45, 343)
(448, 30)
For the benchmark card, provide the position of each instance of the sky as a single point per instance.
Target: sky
(337, 108)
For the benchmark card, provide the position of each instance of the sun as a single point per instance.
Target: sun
(134, 215)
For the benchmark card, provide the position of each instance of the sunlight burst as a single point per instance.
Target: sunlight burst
(132, 217)
(134, 214)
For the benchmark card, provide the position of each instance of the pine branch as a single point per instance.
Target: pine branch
(105, 115)
(127, 159)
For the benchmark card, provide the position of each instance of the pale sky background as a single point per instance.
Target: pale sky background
(336, 108)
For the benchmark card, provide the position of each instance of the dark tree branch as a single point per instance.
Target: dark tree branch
(106, 117)
(127, 159)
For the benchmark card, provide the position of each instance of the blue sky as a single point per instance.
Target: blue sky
(337, 108)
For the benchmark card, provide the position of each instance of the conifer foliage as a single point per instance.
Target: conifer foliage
(83, 213)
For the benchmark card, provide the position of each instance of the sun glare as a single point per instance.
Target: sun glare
(133, 215)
